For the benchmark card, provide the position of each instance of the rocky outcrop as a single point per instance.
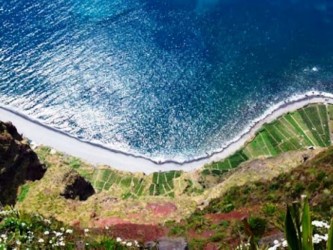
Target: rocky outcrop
(76, 187)
(18, 163)
(166, 243)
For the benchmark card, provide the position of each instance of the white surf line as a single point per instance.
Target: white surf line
(99, 154)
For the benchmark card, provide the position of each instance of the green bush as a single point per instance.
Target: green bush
(177, 230)
(257, 225)
(269, 209)
(320, 176)
(228, 208)
(298, 189)
(218, 237)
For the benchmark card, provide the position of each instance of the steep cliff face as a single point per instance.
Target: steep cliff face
(18, 163)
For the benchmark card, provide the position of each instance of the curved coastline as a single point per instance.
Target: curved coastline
(99, 154)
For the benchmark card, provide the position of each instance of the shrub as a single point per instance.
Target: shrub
(320, 176)
(257, 225)
(269, 209)
(177, 230)
(228, 208)
(298, 189)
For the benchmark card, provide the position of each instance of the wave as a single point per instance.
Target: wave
(291, 104)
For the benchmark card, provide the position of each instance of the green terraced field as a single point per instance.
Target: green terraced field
(309, 126)
(105, 179)
(162, 183)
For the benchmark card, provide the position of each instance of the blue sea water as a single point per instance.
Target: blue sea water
(173, 79)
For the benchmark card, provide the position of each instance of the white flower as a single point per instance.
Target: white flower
(69, 231)
(47, 221)
(41, 241)
(46, 232)
(118, 239)
(58, 234)
(86, 230)
(18, 242)
(23, 224)
(62, 229)
(106, 227)
(318, 223)
(129, 244)
(319, 238)
(325, 237)
(62, 243)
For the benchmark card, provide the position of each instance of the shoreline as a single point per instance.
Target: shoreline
(96, 153)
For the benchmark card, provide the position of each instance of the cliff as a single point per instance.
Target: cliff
(18, 163)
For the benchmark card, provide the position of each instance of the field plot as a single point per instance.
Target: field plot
(106, 179)
(330, 122)
(162, 183)
(309, 126)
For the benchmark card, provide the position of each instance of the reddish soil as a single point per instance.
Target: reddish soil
(212, 246)
(234, 215)
(139, 232)
(162, 209)
(107, 222)
(204, 235)
(129, 231)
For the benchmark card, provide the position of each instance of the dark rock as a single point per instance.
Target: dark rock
(150, 245)
(166, 243)
(305, 157)
(18, 163)
(13, 131)
(75, 186)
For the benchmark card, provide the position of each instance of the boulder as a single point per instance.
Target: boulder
(166, 243)
(76, 187)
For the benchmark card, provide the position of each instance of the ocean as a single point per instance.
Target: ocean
(175, 79)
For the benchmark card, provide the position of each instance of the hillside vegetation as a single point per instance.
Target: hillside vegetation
(263, 203)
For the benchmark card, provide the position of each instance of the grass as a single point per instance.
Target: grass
(24, 190)
(74, 163)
